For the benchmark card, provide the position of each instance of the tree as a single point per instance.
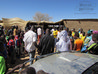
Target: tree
(41, 17)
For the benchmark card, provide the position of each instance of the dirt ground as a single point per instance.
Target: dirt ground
(24, 57)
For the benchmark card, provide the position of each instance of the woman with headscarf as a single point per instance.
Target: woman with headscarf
(86, 41)
(91, 42)
(64, 43)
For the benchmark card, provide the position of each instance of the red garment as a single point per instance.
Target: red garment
(16, 37)
(39, 36)
(18, 41)
(11, 43)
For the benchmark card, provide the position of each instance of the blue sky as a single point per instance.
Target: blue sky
(58, 9)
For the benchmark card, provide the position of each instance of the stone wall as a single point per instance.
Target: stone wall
(82, 24)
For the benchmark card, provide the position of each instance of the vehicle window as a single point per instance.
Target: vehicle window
(92, 69)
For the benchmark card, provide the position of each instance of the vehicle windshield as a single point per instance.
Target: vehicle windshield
(92, 69)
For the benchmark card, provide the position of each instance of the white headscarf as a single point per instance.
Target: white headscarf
(63, 35)
(63, 43)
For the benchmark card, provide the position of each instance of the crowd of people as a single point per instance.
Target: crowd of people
(11, 44)
(78, 41)
(66, 40)
(14, 41)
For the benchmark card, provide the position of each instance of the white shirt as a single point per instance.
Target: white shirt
(58, 36)
(52, 31)
(29, 38)
(39, 31)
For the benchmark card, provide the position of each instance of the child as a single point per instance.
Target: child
(11, 45)
(83, 37)
(71, 40)
(17, 45)
(78, 42)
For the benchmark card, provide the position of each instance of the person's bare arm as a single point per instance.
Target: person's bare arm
(74, 47)
(70, 45)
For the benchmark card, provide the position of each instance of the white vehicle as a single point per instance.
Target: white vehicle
(68, 63)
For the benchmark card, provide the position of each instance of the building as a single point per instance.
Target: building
(81, 23)
(70, 23)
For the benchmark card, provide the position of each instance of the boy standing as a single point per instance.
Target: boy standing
(78, 42)
(11, 45)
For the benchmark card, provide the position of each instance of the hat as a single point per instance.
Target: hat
(89, 32)
(95, 32)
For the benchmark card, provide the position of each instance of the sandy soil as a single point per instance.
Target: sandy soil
(24, 57)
